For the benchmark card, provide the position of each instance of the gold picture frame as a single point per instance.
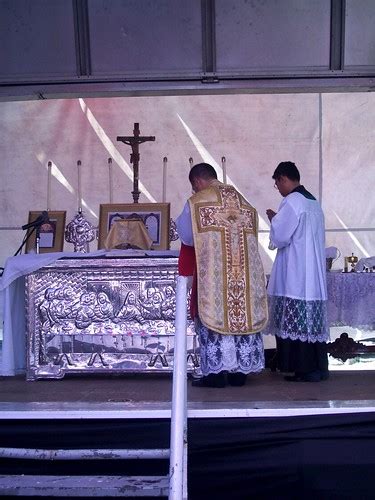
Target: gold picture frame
(154, 215)
(51, 233)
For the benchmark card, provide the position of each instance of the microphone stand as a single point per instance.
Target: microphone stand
(34, 226)
(25, 238)
(37, 238)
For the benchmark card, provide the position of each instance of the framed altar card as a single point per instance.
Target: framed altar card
(155, 217)
(51, 232)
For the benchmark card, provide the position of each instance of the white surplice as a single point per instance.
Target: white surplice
(297, 286)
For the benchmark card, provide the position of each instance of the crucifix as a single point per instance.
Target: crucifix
(134, 141)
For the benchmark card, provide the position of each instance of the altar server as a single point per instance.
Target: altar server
(229, 299)
(297, 287)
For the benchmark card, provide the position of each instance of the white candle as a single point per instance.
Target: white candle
(224, 167)
(110, 180)
(79, 186)
(49, 170)
(190, 162)
(164, 196)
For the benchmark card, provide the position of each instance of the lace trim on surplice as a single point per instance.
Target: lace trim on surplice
(298, 319)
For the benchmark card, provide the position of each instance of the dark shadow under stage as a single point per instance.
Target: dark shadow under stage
(270, 439)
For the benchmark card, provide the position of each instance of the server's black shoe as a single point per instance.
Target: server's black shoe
(315, 376)
(294, 378)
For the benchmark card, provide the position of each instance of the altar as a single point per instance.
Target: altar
(105, 312)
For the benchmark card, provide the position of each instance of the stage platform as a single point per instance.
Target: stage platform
(270, 439)
(264, 393)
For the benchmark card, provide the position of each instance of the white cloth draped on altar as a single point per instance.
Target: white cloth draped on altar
(351, 299)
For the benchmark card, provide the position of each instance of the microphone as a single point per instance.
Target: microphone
(41, 219)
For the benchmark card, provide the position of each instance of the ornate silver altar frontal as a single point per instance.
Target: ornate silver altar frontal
(103, 315)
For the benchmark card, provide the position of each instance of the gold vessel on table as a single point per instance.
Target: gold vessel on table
(352, 260)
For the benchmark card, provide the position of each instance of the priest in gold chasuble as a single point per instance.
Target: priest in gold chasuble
(229, 300)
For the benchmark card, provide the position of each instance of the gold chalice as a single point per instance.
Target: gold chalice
(352, 260)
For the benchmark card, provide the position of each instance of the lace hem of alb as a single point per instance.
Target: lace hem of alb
(231, 353)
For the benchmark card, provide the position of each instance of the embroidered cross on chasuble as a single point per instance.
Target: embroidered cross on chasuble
(232, 296)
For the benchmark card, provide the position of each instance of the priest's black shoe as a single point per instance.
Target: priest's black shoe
(294, 378)
(211, 380)
(237, 379)
(315, 376)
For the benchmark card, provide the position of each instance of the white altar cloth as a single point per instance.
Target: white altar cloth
(12, 288)
(351, 299)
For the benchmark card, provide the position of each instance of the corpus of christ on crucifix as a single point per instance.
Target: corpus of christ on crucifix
(134, 141)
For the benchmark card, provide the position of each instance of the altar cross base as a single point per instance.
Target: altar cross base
(134, 141)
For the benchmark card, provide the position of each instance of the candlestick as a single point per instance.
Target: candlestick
(224, 167)
(49, 170)
(110, 180)
(164, 196)
(190, 162)
(79, 186)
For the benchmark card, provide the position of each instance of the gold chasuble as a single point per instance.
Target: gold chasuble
(232, 297)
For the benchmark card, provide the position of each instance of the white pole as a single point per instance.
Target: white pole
(178, 460)
(82, 454)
